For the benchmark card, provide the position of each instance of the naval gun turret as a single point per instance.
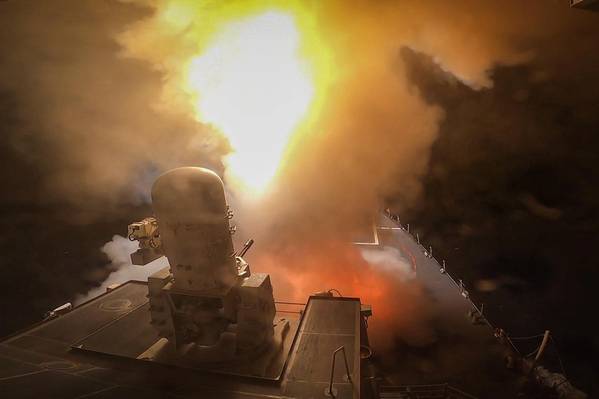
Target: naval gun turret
(203, 326)
(207, 303)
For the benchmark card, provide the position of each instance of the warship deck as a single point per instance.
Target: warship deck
(95, 350)
(465, 353)
(50, 360)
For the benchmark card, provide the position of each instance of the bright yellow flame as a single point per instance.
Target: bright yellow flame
(252, 83)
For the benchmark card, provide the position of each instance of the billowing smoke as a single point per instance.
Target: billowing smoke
(98, 110)
(96, 86)
(110, 115)
(389, 259)
(119, 250)
(87, 119)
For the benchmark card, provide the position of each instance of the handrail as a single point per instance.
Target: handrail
(334, 357)
(460, 286)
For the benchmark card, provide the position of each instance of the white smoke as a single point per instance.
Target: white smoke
(389, 259)
(119, 251)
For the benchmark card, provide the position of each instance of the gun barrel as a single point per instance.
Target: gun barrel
(246, 247)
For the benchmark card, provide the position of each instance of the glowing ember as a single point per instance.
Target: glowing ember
(253, 85)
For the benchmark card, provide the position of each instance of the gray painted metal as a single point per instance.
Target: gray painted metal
(40, 362)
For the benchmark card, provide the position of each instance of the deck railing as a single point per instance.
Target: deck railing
(330, 391)
(458, 284)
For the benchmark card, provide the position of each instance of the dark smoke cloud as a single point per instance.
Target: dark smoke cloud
(499, 96)
(84, 116)
(509, 198)
(80, 140)
(377, 131)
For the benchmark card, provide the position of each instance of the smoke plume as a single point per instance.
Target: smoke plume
(102, 112)
(119, 251)
(87, 119)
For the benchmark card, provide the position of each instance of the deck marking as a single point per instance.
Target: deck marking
(12, 377)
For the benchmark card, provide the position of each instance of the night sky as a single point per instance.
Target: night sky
(509, 197)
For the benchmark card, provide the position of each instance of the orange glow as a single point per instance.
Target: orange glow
(398, 306)
(257, 71)
(254, 87)
(258, 77)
